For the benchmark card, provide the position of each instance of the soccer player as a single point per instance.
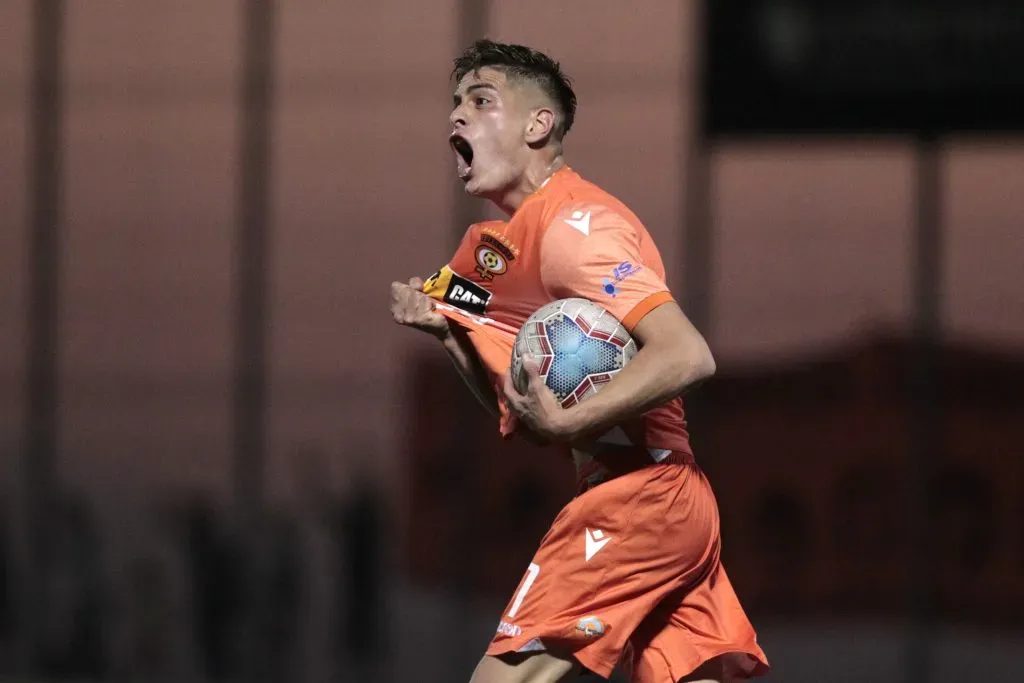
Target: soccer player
(630, 570)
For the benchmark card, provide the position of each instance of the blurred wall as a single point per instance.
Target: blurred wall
(361, 195)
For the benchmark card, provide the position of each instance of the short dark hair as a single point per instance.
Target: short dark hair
(523, 62)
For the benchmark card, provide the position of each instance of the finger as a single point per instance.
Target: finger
(532, 368)
(400, 293)
(509, 388)
(424, 303)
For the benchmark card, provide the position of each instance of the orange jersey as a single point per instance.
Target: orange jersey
(630, 570)
(568, 239)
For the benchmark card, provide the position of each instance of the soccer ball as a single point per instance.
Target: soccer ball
(579, 346)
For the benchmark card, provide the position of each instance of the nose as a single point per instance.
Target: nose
(457, 118)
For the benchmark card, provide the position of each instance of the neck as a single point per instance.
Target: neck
(535, 175)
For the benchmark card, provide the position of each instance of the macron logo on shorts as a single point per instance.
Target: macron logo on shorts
(595, 541)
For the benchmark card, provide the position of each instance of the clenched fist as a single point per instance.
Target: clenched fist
(412, 308)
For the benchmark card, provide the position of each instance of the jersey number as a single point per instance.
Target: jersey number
(531, 575)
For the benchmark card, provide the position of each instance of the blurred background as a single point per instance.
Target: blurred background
(222, 461)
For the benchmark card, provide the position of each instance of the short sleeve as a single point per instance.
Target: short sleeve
(592, 252)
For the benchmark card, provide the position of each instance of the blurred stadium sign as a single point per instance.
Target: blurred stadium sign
(792, 67)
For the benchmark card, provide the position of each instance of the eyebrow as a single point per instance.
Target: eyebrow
(476, 86)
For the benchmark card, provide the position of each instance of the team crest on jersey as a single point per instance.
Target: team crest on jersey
(494, 254)
(489, 262)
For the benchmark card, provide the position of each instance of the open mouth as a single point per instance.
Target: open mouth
(463, 155)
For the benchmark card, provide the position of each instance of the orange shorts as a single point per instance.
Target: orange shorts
(630, 570)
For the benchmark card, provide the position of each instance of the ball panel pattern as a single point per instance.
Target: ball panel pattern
(580, 347)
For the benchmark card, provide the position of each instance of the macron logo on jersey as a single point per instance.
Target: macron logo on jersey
(580, 221)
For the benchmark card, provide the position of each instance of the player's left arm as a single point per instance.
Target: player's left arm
(672, 357)
(605, 263)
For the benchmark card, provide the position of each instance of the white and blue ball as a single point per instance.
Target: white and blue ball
(579, 346)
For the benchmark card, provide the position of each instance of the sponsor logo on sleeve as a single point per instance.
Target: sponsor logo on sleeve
(466, 295)
(619, 273)
(451, 288)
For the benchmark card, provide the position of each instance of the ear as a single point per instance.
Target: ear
(541, 126)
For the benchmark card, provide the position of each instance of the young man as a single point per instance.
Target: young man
(630, 570)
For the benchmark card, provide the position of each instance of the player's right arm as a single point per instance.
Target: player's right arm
(469, 366)
(412, 308)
